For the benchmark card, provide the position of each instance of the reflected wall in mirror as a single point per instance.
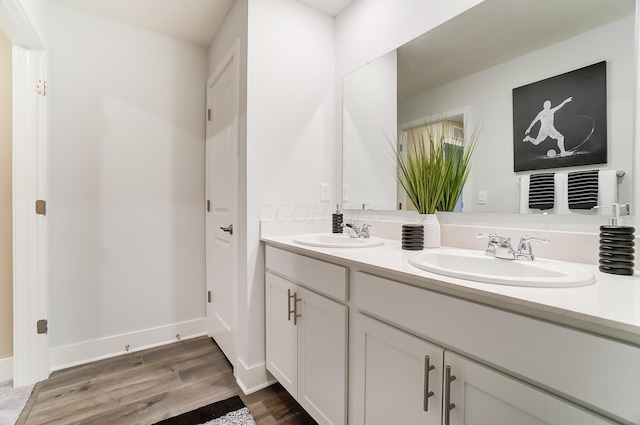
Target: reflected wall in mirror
(470, 65)
(369, 124)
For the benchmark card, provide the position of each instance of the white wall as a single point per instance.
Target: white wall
(489, 96)
(370, 119)
(126, 186)
(290, 147)
(6, 223)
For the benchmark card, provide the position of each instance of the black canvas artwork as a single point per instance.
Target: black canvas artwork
(561, 121)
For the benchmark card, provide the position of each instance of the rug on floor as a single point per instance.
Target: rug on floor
(12, 401)
(231, 411)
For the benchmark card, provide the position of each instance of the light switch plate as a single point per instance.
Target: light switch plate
(324, 192)
(482, 197)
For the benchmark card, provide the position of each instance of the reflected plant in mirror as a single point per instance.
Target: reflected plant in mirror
(433, 164)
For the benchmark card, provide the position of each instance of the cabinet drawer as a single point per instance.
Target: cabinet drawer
(322, 277)
(600, 372)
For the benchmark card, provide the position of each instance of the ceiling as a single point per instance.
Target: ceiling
(330, 7)
(196, 21)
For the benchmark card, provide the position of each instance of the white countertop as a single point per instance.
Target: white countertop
(609, 307)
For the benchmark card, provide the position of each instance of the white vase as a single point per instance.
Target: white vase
(431, 230)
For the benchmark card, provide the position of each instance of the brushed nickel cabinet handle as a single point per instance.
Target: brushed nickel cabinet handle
(428, 367)
(228, 229)
(290, 312)
(295, 308)
(448, 406)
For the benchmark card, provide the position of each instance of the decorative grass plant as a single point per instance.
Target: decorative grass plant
(433, 172)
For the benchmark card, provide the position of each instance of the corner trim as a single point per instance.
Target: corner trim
(253, 378)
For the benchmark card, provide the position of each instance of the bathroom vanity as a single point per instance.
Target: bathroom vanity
(358, 335)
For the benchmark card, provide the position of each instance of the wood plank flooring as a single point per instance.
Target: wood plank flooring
(148, 386)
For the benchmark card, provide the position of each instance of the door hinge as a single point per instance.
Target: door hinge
(41, 87)
(209, 114)
(42, 326)
(208, 296)
(41, 207)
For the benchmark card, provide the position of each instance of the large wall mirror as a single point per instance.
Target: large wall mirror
(466, 69)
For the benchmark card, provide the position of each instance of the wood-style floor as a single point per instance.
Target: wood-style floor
(148, 386)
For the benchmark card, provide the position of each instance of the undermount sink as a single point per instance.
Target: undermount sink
(476, 266)
(331, 240)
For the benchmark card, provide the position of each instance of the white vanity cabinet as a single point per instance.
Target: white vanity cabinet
(542, 365)
(307, 332)
(402, 341)
(400, 378)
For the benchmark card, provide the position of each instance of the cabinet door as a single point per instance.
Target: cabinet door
(398, 377)
(485, 396)
(322, 357)
(281, 336)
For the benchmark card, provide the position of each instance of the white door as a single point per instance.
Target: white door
(221, 203)
(282, 331)
(398, 377)
(484, 396)
(322, 357)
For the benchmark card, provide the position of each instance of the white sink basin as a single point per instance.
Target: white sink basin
(330, 240)
(476, 266)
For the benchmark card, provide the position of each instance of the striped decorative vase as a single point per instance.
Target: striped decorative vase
(431, 230)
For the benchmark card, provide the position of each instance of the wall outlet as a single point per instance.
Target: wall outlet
(345, 192)
(324, 192)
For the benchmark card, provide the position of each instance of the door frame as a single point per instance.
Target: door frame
(230, 61)
(30, 350)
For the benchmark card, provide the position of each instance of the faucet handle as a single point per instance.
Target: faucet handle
(531, 239)
(524, 247)
(364, 230)
(491, 248)
(351, 227)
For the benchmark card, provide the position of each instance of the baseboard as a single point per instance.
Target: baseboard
(254, 378)
(6, 369)
(98, 349)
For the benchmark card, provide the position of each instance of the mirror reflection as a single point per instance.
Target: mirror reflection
(467, 69)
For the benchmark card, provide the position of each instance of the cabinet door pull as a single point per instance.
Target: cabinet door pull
(295, 308)
(290, 312)
(428, 367)
(448, 406)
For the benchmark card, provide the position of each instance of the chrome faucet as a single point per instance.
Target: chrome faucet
(500, 247)
(524, 247)
(363, 232)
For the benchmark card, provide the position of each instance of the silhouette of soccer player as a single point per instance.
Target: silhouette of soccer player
(546, 117)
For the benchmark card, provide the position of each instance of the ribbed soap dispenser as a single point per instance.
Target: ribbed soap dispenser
(336, 221)
(617, 243)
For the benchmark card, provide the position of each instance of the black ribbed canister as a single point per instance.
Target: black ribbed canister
(617, 250)
(336, 223)
(412, 237)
